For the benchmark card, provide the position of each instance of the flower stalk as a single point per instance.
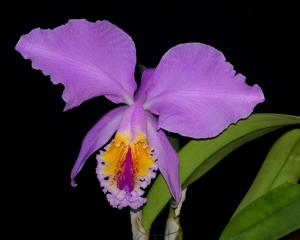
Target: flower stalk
(138, 231)
(173, 229)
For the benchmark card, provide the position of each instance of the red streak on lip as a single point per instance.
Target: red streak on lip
(125, 179)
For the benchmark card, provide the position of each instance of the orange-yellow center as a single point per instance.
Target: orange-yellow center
(126, 161)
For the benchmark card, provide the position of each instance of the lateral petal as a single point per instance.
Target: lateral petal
(89, 59)
(196, 93)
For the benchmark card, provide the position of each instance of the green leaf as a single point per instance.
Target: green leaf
(271, 208)
(198, 157)
(281, 165)
(174, 140)
(270, 217)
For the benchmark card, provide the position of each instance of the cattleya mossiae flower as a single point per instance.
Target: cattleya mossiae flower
(193, 91)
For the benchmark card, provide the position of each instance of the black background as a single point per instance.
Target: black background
(259, 40)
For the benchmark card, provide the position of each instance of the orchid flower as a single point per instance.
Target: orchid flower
(193, 92)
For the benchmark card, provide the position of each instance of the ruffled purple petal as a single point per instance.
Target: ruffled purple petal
(167, 159)
(196, 93)
(97, 137)
(89, 59)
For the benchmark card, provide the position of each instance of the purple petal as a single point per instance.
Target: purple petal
(97, 137)
(141, 94)
(167, 159)
(196, 93)
(133, 121)
(89, 59)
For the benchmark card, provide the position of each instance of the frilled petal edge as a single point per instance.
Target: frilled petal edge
(197, 93)
(89, 59)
